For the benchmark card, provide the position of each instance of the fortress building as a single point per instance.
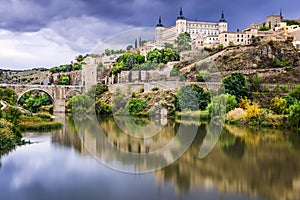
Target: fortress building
(194, 28)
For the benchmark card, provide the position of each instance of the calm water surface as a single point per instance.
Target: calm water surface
(245, 164)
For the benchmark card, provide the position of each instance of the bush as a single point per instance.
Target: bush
(285, 89)
(294, 115)
(12, 115)
(295, 92)
(244, 103)
(203, 76)
(289, 101)
(231, 102)
(256, 83)
(253, 111)
(103, 109)
(155, 89)
(278, 105)
(135, 106)
(288, 68)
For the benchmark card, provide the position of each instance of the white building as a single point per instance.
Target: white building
(194, 28)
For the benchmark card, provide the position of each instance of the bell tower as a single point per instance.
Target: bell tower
(223, 23)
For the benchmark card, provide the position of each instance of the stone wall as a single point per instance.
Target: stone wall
(75, 77)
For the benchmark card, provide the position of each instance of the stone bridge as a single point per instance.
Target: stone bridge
(58, 93)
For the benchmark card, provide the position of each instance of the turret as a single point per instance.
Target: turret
(159, 29)
(181, 22)
(222, 23)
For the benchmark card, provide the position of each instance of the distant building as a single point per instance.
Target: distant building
(195, 28)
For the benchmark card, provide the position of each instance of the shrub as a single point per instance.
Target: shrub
(289, 101)
(294, 115)
(103, 109)
(244, 103)
(277, 89)
(256, 83)
(278, 105)
(285, 89)
(203, 76)
(253, 111)
(155, 89)
(12, 115)
(288, 68)
(231, 102)
(295, 92)
(135, 106)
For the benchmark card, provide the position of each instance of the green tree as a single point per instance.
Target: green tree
(97, 90)
(294, 116)
(192, 97)
(295, 92)
(12, 115)
(135, 43)
(264, 28)
(136, 106)
(64, 80)
(107, 52)
(79, 58)
(129, 47)
(278, 105)
(183, 42)
(256, 83)
(8, 95)
(237, 85)
(80, 104)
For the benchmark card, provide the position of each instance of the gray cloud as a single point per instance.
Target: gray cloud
(76, 26)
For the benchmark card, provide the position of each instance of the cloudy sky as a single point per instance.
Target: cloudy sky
(45, 33)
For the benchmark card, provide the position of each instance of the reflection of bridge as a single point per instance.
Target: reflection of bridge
(58, 93)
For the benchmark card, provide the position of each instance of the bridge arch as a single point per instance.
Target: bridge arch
(36, 89)
(72, 92)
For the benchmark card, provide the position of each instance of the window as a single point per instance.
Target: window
(242, 40)
(225, 40)
(238, 40)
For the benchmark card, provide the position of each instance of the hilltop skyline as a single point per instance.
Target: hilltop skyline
(48, 33)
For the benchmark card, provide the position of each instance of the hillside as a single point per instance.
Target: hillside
(276, 62)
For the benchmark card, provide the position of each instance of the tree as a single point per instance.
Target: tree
(264, 28)
(8, 95)
(64, 80)
(129, 47)
(192, 97)
(107, 52)
(135, 106)
(97, 90)
(135, 43)
(12, 115)
(256, 83)
(79, 58)
(295, 92)
(236, 84)
(183, 42)
(294, 115)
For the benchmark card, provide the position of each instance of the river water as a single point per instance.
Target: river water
(74, 163)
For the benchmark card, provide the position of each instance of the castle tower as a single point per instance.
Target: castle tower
(89, 73)
(281, 16)
(222, 23)
(181, 22)
(158, 31)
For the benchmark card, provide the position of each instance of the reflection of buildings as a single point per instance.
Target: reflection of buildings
(263, 167)
(269, 171)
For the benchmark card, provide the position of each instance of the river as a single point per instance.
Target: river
(74, 163)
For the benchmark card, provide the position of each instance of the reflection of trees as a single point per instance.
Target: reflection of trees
(294, 140)
(232, 146)
(267, 169)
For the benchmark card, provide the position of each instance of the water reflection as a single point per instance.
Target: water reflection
(263, 163)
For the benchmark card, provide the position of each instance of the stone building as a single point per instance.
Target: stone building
(194, 28)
